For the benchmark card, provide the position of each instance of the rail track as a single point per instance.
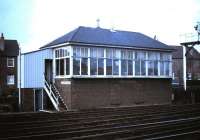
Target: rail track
(124, 123)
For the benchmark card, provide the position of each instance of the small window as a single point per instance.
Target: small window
(10, 80)
(10, 62)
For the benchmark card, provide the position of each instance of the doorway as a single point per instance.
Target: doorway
(49, 70)
(38, 94)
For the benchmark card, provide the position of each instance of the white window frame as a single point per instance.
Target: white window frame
(12, 81)
(63, 55)
(71, 56)
(13, 62)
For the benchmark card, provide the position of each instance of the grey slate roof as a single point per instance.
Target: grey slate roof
(99, 36)
(11, 48)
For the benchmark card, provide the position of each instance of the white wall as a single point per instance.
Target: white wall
(32, 68)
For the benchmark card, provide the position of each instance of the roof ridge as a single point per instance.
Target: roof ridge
(77, 30)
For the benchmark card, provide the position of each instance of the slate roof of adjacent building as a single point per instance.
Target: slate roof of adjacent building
(116, 38)
(11, 48)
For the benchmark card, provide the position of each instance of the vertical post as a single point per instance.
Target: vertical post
(104, 62)
(88, 61)
(34, 100)
(146, 62)
(71, 61)
(184, 67)
(19, 76)
(54, 67)
(133, 62)
(42, 100)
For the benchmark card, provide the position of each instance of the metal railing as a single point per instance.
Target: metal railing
(53, 94)
(53, 97)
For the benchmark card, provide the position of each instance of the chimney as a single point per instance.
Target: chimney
(2, 43)
(98, 23)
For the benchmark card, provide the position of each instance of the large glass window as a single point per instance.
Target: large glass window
(124, 67)
(93, 61)
(84, 66)
(100, 55)
(140, 63)
(80, 61)
(59, 67)
(116, 57)
(125, 62)
(115, 67)
(93, 66)
(100, 66)
(96, 61)
(67, 66)
(109, 65)
(165, 62)
(76, 66)
(130, 67)
(62, 56)
(153, 58)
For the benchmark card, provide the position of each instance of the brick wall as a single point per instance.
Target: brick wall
(65, 90)
(27, 96)
(4, 71)
(93, 93)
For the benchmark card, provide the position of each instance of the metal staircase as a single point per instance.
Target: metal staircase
(54, 96)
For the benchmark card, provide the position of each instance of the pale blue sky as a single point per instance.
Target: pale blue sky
(36, 22)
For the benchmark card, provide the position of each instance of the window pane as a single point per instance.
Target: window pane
(123, 54)
(140, 63)
(10, 62)
(109, 53)
(143, 67)
(100, 53)
(140, 55)
(76, 51)
(156, 67)
(84, 66)
(115, 67)
(137, 67)
(93, 52)
(67, 66)
(130, 55)
(150, 68)
(66, 52)
(161, 68)
(123, 67)
(130, 67)
(61, 66)
(116, 53)
(84, 52)
(165, 56)
(10, 79)
(57, 66)
(108, 66)
(167, 68)
(93, 66)
(76, 66)
(100, 66)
